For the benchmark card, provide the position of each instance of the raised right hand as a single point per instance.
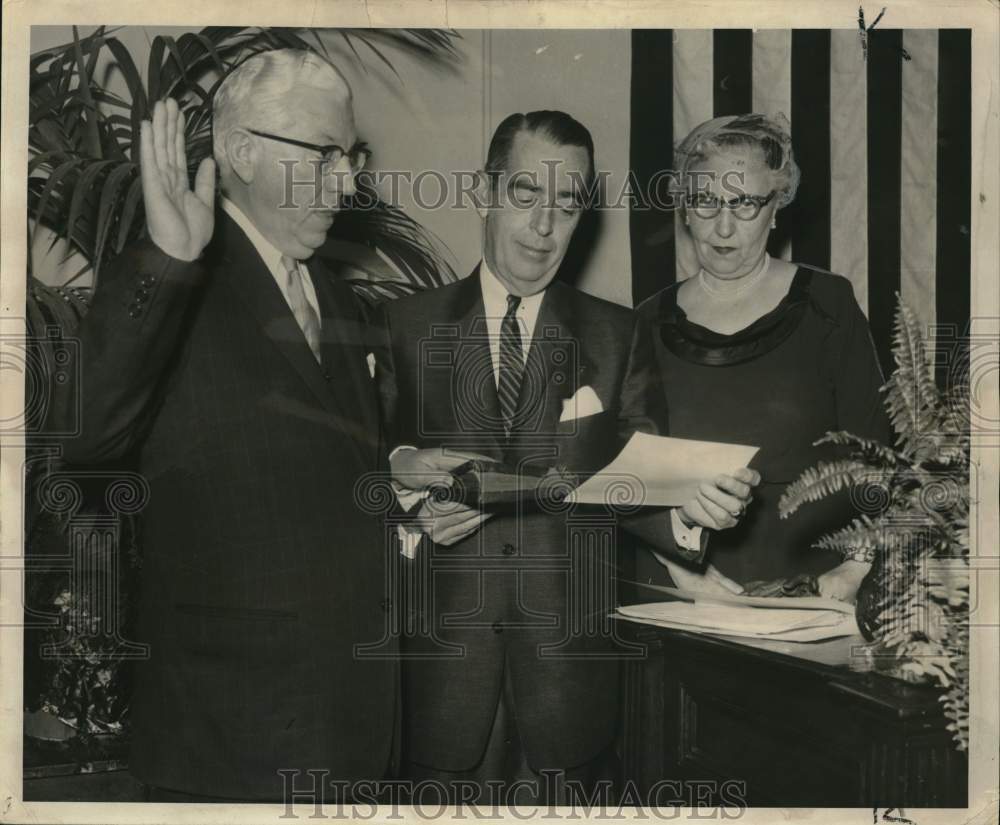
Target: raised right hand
(179, 221)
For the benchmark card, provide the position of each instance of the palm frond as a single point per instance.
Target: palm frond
(79, 150)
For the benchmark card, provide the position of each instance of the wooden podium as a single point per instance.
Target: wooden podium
(781, 724)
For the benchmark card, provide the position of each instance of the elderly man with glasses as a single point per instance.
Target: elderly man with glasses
(223, 361)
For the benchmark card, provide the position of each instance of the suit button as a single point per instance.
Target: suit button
(141, 295)
(134, 310)
(509, 549)
(147, 282)
(327, 376)
(498, 626)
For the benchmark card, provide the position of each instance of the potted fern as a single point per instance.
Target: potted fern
(913, 525)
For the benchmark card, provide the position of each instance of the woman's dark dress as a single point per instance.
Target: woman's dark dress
(806, 367)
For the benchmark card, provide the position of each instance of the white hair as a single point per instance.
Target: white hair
(769, 138)
(256, 93)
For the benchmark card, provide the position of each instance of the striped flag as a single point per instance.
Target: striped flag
(883, 142)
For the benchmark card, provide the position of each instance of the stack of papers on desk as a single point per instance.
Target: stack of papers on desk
(807, 619)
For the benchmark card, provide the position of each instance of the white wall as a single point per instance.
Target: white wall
(433, 118)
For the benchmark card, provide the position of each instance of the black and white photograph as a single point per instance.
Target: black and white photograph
(500, 411)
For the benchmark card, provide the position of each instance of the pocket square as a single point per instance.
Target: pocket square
(583, 403)
(371, 364)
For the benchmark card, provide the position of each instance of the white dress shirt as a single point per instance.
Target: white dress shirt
(271, 256)
(495, 308)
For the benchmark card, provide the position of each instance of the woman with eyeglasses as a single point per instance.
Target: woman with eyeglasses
(757, 350)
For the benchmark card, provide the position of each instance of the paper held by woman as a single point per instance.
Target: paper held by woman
(805, 619)
(657, 471)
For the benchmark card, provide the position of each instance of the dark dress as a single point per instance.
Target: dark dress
(806, 367)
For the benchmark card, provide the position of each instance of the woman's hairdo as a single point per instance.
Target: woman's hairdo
(769, 138)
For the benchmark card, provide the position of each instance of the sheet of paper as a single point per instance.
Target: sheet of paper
(847, 628)
(658, 471)
(777, 623)
(764, 602)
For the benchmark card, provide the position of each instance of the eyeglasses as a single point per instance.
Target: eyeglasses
(331, 153)
(744, 207)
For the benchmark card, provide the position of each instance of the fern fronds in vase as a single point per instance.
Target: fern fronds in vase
(913, 523)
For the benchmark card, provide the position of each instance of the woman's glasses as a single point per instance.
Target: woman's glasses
(331, 153)
(744, 207)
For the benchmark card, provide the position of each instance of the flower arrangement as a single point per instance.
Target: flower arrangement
(913, 525)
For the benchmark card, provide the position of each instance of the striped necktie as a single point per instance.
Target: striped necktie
(303, 311)
(511, 363)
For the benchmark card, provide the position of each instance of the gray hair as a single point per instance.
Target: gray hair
(769, 138)
(256, 92)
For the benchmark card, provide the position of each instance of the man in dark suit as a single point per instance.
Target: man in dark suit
(232, 368)
(510, 664)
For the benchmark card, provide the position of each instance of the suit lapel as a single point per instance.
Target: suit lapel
(473, 390)
(253, 282)
(556, 362)
(344, 344)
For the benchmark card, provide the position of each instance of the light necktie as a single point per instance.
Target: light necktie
(303, 311)
(511, 363)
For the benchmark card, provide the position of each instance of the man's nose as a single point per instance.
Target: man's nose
(541, 220)
(340, 179)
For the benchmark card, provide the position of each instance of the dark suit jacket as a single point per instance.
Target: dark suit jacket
(531, 590)
(260, 574)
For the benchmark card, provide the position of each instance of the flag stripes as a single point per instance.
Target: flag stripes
(732, 71)
(809, 214)
(919, 169)
(884, 146)
(651, 135)
(849, 163)
(954, 174)
(885, 125)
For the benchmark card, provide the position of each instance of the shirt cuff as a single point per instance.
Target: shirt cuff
(687, 538)
(409, 541)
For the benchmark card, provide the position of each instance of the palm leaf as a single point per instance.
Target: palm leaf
(128, 215)
(42, 218)
(92, 140)
(110, 195)
(83, 191)
(98, 207)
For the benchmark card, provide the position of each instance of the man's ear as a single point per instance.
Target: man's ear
(241, 154)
